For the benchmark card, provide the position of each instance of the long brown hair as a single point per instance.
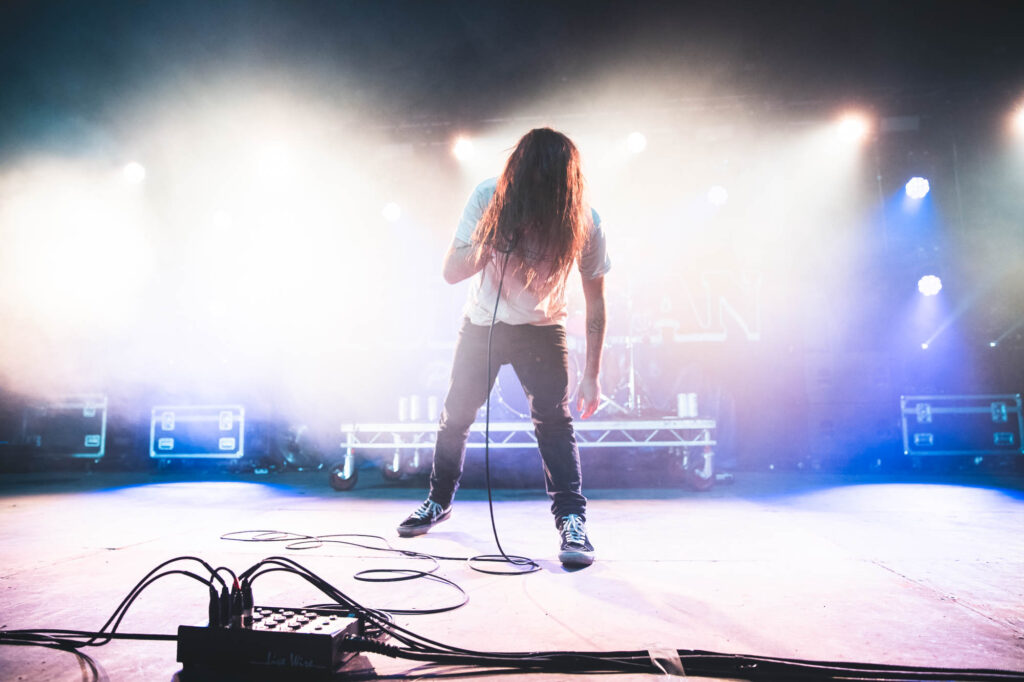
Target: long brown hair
(538, 213)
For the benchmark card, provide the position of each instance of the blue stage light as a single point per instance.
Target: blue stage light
(929, 285)
(917, 187)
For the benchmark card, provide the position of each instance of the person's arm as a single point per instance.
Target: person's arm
(461, 262)
(590, 389)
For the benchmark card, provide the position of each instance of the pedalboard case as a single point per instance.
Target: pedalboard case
(197, 431)
(961, 424)
(70, 426)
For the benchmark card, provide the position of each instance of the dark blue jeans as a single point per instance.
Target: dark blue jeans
(539, 357)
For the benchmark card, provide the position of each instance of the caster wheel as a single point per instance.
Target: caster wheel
(413, 465)
(695, 480)
(698, 471)
(343, 478)
(391, 470)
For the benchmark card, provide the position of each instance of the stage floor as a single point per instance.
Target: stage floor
(901, 571)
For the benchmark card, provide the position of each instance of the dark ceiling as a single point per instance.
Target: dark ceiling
(65, 63)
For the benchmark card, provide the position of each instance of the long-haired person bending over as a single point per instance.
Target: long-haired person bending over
(523, 232)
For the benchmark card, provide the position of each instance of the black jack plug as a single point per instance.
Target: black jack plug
(225, 607)
(215, 621)
(247, 603)
(236, 604)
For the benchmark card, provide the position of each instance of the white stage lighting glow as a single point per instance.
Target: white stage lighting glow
(1018, 121)
(918, 187)
(463, 149)
(993, 344)
(391, 212)
(134, 172)
(221, 220)
(853, 127)
(718, 195)
(76, 255)
(929, 285)
(636, 142)
(274, 160)
(924, 346)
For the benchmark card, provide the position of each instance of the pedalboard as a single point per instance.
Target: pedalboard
(285, 640)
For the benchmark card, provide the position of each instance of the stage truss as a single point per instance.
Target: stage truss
(404, 443)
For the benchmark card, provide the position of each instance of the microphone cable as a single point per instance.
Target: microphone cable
(525, 564)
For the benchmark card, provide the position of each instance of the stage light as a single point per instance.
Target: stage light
(917, 187)
(274, 160)
(924, 346)
(853, 127)
(221, 220)
(391, 212)
(463, 149)
(1018, 121)
(133, 173)
(636, 142)
(929, 285)
(992, 344)
(718, 195)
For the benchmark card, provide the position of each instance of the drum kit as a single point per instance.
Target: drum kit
(631, 377)
(620, 397)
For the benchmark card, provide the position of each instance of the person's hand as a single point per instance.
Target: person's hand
(589, 397)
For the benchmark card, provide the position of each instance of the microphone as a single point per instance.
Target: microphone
(508, 239)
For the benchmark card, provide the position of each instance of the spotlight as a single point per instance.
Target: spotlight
(993, 344)
(391, 212)
(636, 142)
(133, 173)
(463, 149)
(718, 195)
(273, 160)
(924, 346)
(853, 127)
(929, 285)
(917, 187)
(221, 220)
(1018, 121)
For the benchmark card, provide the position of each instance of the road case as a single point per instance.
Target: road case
(197, 431)
(961, 424)
(70, 426)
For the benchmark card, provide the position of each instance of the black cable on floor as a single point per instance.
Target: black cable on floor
(72, 641)
(299, 542)
(378, 624)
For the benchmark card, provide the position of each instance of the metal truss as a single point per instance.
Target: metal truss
(671, 432)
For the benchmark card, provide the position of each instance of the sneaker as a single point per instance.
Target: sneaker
(576, 548)
(426, 516)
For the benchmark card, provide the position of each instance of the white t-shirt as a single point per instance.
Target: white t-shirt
(518, 305)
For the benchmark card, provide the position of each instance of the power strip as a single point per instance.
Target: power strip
(273, 639)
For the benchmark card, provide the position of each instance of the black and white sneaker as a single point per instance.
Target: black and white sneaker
(576, 548)
(426, 516)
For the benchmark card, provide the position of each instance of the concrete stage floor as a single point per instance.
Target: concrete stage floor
(875, 569)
